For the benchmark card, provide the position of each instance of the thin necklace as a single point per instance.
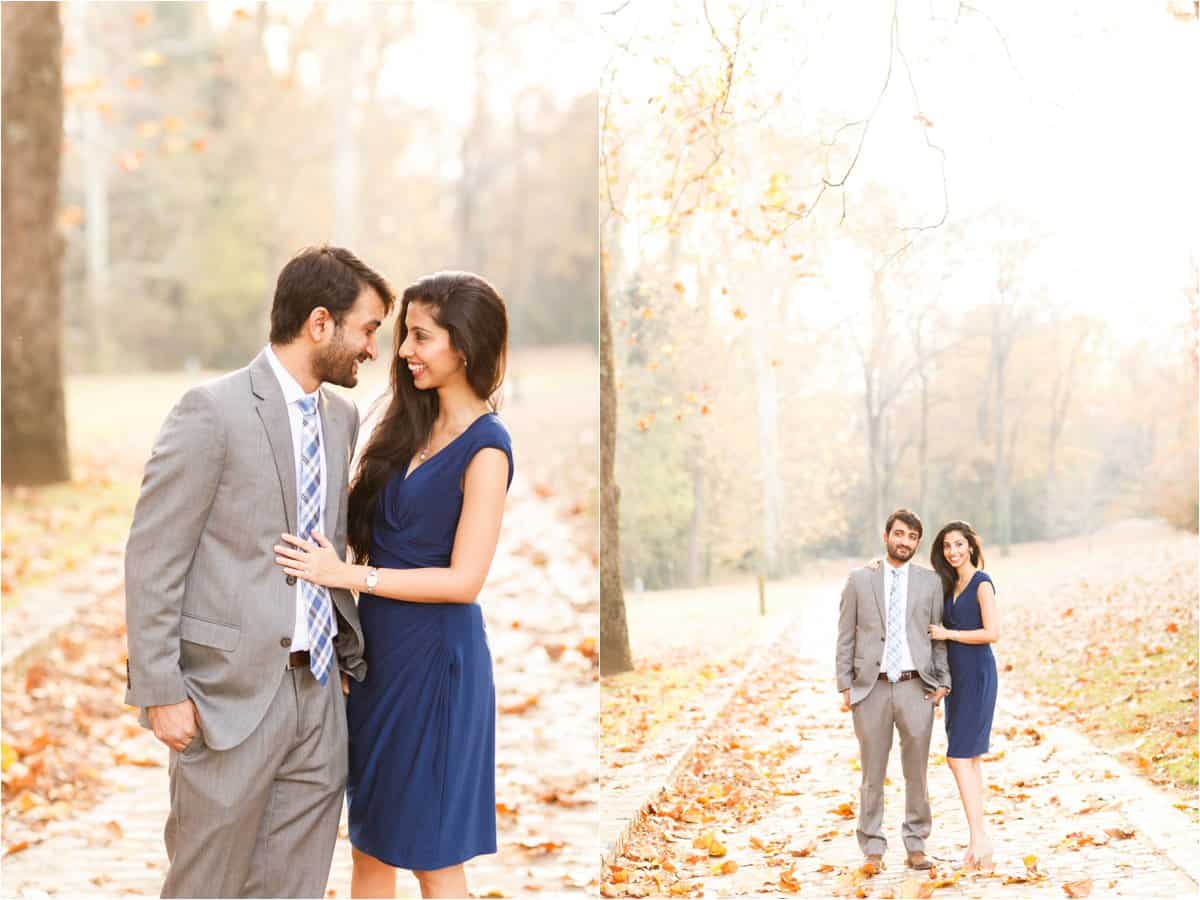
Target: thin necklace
(424, 454)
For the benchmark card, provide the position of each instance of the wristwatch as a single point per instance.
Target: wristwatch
(372, 578)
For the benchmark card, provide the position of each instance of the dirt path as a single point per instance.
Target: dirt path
(768, 802)
(91, 814)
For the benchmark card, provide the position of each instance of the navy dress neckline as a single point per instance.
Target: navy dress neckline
(410, 472)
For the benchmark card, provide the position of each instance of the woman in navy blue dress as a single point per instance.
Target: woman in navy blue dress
(970, 625)
(424, 516)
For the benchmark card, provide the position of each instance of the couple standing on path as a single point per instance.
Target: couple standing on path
(908, 637)
(275, 692)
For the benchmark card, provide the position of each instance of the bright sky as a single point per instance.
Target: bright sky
(1083, 135)
(433, 68)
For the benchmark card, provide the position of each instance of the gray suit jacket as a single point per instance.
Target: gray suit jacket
(861, 621)
(209, 613)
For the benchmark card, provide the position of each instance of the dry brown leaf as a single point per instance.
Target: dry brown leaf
(787, 880)
(521, 705)
(1078, 888)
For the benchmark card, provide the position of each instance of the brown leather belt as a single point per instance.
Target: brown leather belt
(298, 659)
(904, 676)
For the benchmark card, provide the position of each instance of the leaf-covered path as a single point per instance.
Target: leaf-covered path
(767, 803)
(86, 788)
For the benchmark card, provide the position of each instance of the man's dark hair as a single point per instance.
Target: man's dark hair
(326, 276)
(908, 517)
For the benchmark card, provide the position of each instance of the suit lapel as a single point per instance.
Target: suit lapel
(273, 411)
(335, 465)
(877, 590)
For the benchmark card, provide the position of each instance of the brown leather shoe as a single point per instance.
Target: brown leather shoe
(918, 860)
(876, 860)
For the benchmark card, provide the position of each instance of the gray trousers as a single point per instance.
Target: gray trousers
(903, 707)
(261, 819)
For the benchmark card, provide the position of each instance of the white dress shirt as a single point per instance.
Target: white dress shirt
(900, 575)
(292, 393)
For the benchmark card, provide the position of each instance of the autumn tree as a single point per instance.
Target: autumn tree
(34, 420)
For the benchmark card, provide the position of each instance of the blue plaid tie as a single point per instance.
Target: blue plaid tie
(895, 628)
(316, 598)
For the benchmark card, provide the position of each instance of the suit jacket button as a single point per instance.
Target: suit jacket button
(291, 579)
(285, 642)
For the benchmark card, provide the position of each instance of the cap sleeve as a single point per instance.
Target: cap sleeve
(493, 434)
(984, 576)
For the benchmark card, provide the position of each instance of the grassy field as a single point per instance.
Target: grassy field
(552, 411)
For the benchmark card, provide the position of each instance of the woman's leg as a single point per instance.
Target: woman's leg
(371, 877)
(983, 844)
(966, 774)
(448, 882)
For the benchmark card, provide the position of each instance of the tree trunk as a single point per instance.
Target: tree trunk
(1001, 487)
(875, 519)
(768, 429)
(34, 419)
(96, 217)
(1052, 513)
(923, 446)
(696, 525)
(614, 632)
(346, 163)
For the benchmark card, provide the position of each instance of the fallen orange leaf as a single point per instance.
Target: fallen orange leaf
(787, 880)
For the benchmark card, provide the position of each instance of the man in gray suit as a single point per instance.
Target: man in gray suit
(239, 669)
(892, 675)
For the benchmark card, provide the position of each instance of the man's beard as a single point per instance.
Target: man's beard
(336, 364)
(896, 551)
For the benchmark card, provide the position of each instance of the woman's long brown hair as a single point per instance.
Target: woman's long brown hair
(937, 555)
(474, 314)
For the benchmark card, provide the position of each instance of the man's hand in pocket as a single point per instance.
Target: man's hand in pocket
(176, 724)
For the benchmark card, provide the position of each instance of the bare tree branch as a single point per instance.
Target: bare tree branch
(614, 11)
(925, 126)
(892, 33)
